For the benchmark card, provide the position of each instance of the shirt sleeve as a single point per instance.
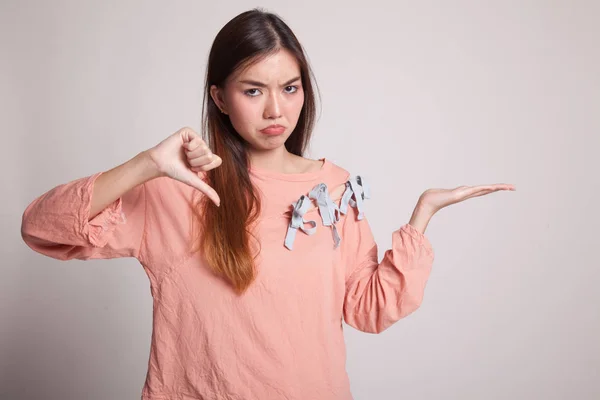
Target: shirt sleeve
(378, 294)
(57, 224)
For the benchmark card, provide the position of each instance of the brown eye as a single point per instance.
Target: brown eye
(247, 92)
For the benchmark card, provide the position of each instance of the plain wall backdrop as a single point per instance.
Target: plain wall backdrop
(414, 95)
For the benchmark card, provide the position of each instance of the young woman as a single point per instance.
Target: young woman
(254, 253)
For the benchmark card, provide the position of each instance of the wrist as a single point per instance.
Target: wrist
(146, 166)
(425, 208)
(421, 216)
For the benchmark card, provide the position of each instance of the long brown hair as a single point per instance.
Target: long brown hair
(225, 232)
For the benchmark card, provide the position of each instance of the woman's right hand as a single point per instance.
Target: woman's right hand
(181, 156)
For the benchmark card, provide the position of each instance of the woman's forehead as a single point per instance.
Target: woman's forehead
(276, 68)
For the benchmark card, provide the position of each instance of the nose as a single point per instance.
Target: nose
(273, 107)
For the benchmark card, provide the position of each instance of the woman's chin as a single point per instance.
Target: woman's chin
(269, 143)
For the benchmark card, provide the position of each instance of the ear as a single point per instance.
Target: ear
(217, 96)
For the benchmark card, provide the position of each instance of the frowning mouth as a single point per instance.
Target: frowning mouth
(273, 130)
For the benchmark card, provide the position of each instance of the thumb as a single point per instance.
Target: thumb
(192, 179)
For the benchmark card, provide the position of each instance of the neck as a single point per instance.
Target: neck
(277, 160)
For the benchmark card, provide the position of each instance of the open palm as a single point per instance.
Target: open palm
(436, 199)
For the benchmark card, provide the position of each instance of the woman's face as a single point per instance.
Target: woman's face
(267, 93)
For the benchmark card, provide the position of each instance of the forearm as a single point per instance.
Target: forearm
(380, 293)
(114, 183)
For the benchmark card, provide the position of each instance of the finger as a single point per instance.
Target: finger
(187, 134)
(201, 150)
(190, 178)
(472, 190)
(495, 188)
(505, 186)
(207, 167)
(501, 186)
(195, 144)
(476, 195)
(483, 192)
(202, 160)
(467, 191)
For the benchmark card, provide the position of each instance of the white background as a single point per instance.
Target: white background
(414, 95)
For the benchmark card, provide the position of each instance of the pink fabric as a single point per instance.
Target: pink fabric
(283, 339)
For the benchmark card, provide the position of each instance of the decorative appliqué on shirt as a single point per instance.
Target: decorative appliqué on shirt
(354, 195)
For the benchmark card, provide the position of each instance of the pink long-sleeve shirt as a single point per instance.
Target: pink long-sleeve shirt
(283, 338)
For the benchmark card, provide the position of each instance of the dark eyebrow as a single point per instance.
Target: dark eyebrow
(260, 84)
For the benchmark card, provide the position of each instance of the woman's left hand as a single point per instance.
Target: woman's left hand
(436, 199)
